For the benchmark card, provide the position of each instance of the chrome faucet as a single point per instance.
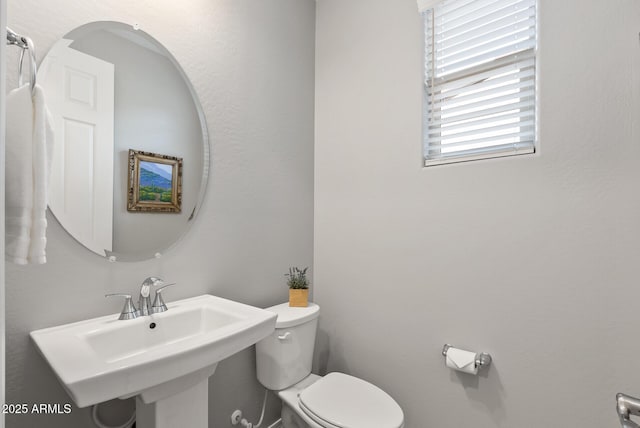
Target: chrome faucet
(144, 301)
(145, 307)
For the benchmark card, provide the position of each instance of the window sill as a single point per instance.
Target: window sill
(452, 158)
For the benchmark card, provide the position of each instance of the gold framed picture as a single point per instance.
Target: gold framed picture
(155, 182)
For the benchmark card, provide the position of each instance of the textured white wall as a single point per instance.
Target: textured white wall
(252, 65)
(533, 259)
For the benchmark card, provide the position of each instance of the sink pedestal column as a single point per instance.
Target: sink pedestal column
(180, 403)
(188, 408)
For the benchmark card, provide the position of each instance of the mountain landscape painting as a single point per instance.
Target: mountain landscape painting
(155, 182)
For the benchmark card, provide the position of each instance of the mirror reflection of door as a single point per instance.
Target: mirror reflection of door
(80, 94)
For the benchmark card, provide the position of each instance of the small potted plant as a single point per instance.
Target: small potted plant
(298, 287)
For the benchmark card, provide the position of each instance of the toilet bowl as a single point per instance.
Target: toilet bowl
(337, 400)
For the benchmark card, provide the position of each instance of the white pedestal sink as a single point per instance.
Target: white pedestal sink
(164, 360)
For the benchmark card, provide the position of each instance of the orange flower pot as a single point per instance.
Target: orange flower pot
(299, 297)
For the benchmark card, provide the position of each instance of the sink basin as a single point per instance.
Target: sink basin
(151, 357)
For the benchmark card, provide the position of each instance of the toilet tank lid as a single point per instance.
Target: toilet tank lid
(289, 316)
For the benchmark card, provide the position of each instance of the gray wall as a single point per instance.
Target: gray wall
(533, 259)
(252, 65)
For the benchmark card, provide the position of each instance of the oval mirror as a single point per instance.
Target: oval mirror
(131, 151)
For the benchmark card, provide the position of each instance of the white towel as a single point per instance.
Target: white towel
(29, 150)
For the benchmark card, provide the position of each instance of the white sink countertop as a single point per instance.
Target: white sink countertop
(105, 358)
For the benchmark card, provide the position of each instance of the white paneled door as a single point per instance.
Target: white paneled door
(81, 190)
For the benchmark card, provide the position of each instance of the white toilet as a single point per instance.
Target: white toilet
(336, 400)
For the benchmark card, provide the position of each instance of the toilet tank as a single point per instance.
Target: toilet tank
(284, 358)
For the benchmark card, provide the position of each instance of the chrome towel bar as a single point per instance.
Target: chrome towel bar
(627, 406)
(26, 44)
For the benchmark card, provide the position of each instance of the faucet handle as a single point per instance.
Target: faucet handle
(129, 310)
(158, 302)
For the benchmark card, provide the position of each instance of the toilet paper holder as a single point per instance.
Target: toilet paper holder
(482, 359)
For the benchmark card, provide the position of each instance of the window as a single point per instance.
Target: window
(479, 88)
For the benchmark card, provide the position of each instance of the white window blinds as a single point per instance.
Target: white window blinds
(479, 79)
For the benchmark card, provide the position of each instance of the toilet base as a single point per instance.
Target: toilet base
(291, 414)
(290, 418)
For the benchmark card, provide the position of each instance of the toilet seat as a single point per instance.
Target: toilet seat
(342, 401)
